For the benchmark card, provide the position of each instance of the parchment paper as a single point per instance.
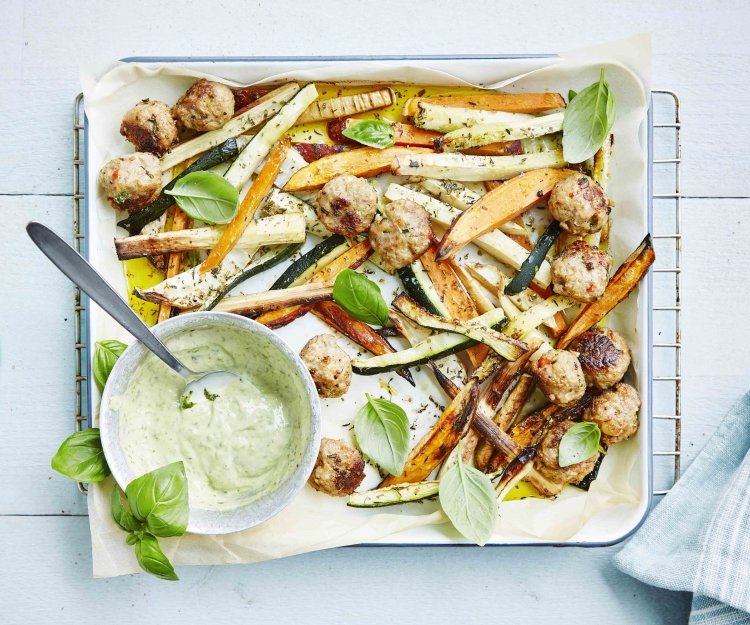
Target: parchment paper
(616, 501)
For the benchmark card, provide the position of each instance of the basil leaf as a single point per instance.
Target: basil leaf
(579, 443)
(106, 354)
(206, 196)
(372, 132)
(571, 94)
(81, 457)
(152, 558)
(382, 431)
(160, 499)
(121, 512)
(360, 297)
(468, 499)
(588, 120)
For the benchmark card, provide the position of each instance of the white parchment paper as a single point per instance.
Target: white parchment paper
(616, 501)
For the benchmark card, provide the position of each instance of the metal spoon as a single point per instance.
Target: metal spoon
(197, 385)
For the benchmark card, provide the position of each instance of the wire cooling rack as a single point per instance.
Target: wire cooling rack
(665, 156)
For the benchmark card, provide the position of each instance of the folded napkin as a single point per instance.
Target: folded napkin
(698, 538)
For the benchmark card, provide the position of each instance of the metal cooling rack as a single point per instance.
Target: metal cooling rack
(666, 152)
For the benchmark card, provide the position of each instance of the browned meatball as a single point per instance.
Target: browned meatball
(559, 376)
(401, 234)
(329, 365)
(547, 459)
(149, 127)
(615, 411)
(206, 105)
(339, 470)
(579, 204)
(581, 271)
(604, 356)
(347, 205)
(131, 182)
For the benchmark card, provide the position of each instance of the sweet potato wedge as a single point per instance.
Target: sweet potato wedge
(363, 162)
(499, 206)
(509, 102)
(625, 279)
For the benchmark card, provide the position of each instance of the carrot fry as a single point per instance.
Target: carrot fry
(180, 221)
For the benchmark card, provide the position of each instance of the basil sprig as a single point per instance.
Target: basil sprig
(469, 501)
(372, 132)
(588, 120)
(152, 559)
(382, 431)
(206, 196)
(579, 443)
(360, 297)
(81, 457)
(106, 354)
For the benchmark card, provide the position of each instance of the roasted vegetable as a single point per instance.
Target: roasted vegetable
(500, 206)
(484, 134)
(530, 266)
(420, 288)
(319, 256)
(530, 319)
(179, 221)
(510, 102)
(280, 202)
(625, 279)
(449, 118)
(393, 495)
(314, 151)
(255, 303)
(344, 106)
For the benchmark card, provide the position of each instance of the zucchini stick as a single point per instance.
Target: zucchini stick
(530, 319)
(510, 102)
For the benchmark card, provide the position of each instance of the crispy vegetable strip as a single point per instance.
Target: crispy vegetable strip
(510, 102)
(344, 106)
(494, 132)
(363, 162)
(500, 206)
(351, 259)
(359, 332)
(254, 303)
(481, 301)
(454, 296)
(530, 319)
(520, 467)
(250, 203)
(180, 221)
(622, 283)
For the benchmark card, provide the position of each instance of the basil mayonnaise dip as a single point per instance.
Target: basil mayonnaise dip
(236, 448)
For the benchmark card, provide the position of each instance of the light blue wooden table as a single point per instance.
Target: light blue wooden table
(45, 569)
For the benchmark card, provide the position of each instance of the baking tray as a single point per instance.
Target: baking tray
(667, 385)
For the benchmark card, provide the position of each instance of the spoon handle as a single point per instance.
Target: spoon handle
(77, 268)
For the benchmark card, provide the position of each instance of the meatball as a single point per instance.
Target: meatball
(329, 365)
(339, 469)
(559, 376)
(149, 127)
(604, 356)
(615, 411)
(131, 182)
(579, 204)
(206, 105)
(347, 205)
(547, 459)
(401, 234)
(581, 271)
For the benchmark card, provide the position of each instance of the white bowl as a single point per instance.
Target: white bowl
(245, 516)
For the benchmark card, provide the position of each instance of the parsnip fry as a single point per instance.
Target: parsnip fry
(344, 106)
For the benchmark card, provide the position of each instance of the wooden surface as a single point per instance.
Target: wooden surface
(44, 543)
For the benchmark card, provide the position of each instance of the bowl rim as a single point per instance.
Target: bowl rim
(215, 522)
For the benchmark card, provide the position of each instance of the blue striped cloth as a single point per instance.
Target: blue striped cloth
(698, 538)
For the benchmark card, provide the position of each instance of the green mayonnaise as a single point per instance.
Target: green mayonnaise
(238, 446)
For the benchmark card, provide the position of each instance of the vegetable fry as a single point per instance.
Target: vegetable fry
(622, 283)
(180, 221)
(510, 102)
(499, 206)
(485, 134)
(363, 162)
(254, 303)
(249, 205)
(450, 118)
(344, 106)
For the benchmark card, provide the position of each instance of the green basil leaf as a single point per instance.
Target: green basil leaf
(152, 558)
(206, 196)
(360, 297)
(106, 354)
(81, 457)
(382, 431)
(160, 499)
(588, 120)
(121, 512)
(571, 94)
(579, 443)
(468, 499)
(372, 132)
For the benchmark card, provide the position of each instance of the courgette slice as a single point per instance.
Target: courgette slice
(433, 348)
(530, 266)
(281, 202)
(393, 495)
(419, 287)
(271, 258)
(320, 255)
(586, 482)
(227, 151)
